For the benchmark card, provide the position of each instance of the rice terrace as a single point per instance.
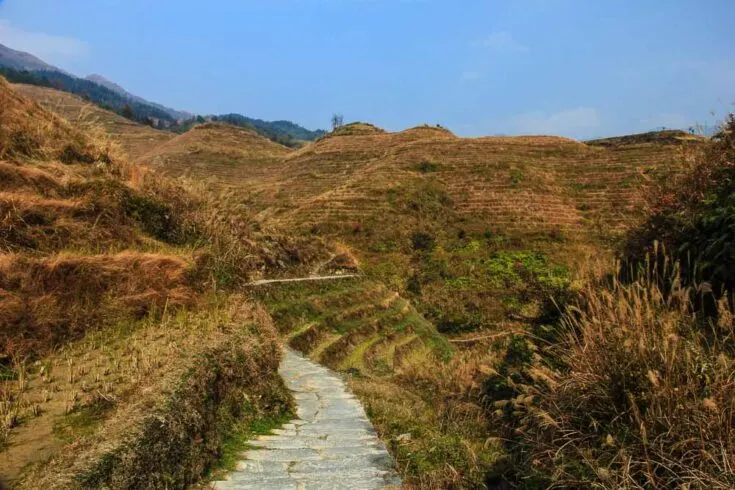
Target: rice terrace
(537, 292)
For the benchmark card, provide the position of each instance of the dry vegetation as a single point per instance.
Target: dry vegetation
(479, 357)
(135, 139)
(632, 386)
(124, 354)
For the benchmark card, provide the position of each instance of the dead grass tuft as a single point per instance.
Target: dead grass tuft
(48, 301)
(638, 393)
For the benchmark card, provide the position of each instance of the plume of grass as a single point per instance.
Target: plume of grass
(638, 393)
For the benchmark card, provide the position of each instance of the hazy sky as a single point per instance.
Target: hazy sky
(578, 68)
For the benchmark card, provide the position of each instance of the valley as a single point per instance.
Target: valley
(149, 280)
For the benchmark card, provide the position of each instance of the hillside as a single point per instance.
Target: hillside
(23, 68)
(219, 152)
(356, 176)
(126, 344)
(136, 139)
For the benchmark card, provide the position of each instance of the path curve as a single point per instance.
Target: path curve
(331, 445)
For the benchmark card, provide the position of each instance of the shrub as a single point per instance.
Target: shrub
(155, 218)
(636, 393)
(423, 242)
(427, 167)
(693, 215)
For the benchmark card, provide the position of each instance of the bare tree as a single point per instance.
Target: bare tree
(338, 121)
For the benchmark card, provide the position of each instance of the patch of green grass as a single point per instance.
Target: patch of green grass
(426, 166)
(237, 441)
(82, 422)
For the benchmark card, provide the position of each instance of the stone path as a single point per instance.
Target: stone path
(331, 445)
(262, 282)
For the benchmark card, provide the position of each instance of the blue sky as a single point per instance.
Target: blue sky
(579, 68)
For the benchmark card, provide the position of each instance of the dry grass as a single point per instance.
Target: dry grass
(94, 397)
(216, 151)
(107, 322)
(640, 394)
(46, 301)
(30, 132)
(135, 139)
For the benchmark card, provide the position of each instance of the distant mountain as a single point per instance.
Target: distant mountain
(90, 91)
(272, 129)
(20, 60)
(100, 80)
(20, 67)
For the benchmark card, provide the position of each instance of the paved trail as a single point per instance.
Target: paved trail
(331, 445)
(262, 282)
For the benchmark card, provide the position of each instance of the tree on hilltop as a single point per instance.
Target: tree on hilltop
(337, 121)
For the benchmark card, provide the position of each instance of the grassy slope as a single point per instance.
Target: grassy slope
(406, 374)
(506, 218)
(120, 364)
(216, 151)
(135, 139)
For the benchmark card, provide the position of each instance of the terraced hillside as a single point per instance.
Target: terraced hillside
(399, 367)
(136, 139)
(221, 152)
(521, 184)
(352, 177)
(126, 344)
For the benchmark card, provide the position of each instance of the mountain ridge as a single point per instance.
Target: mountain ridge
(100, 80)
(21, 67)
(20, 60)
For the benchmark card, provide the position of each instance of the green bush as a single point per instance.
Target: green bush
(694, 216)
(155, 218)
(422, 242)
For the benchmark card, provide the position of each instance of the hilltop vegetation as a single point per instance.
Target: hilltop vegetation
(283, 132)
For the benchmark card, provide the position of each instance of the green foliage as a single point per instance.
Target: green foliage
(694, 216)
(425, 167)
(284, 132)
(155, 218)
(422, 242)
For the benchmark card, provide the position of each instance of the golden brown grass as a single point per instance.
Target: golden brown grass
(107, 322)
(638, 394)
(93, 397)
(215, 151)
(135, 139)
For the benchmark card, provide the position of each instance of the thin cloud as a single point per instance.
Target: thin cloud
(46, 46)
(501, 42)
(570, 122)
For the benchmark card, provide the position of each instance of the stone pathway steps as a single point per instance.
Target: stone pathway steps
(331, 445)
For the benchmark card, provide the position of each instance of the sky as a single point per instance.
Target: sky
(576, 68)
